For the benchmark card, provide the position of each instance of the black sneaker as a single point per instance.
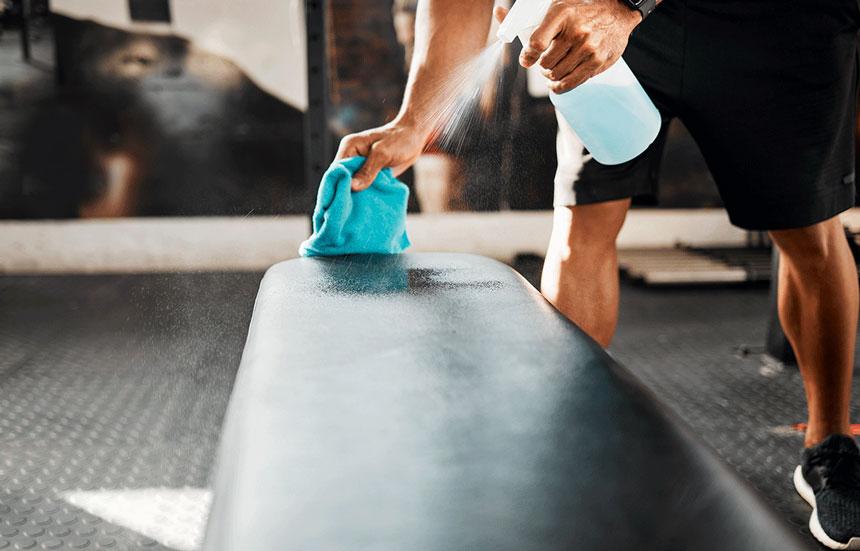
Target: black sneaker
(828, 478)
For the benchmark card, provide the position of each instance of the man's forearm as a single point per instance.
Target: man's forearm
(447, 34)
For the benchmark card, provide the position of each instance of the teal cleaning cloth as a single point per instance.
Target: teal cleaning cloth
(368, 221)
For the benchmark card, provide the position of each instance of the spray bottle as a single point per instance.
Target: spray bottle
(610, 112)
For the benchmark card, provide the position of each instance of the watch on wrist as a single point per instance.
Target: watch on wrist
(645, 7)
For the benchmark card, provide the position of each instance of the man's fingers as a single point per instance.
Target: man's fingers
(500, 13)
(400, 169)
(353, 146)
(566, 84)
(556, 52)
(580, 74)
(376, 161)
(543, 34)
(365, 146)
(564, 67)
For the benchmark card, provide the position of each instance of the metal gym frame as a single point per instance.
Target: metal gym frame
(318, 139)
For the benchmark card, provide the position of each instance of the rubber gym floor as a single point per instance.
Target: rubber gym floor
(113, 388)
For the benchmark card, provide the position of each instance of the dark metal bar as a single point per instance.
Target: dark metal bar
(318, 142)
(25, 30)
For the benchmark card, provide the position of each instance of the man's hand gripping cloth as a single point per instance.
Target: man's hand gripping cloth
(368, 221)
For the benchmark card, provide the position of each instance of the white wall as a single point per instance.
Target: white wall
(265, 38)
(254, 243)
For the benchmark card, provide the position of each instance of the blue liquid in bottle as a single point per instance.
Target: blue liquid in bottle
(612, 115)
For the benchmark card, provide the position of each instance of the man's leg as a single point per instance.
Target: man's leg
(818, 304)
(580, 274)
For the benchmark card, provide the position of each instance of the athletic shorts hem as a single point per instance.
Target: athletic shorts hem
(796, 214)
(567, 194)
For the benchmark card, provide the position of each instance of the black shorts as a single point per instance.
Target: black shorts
(768, 89)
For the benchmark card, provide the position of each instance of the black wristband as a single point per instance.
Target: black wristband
(646, 7)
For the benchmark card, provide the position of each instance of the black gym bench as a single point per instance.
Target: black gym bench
(436, 402)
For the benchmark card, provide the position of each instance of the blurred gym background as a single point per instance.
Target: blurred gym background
(139, 109)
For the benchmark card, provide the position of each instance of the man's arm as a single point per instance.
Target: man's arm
(448, 33)
(576, 40)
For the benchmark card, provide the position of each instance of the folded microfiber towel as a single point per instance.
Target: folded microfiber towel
(368, 221)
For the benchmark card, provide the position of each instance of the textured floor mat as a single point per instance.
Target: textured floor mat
(112, 391)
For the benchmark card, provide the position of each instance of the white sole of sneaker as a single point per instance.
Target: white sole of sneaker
(805, 491)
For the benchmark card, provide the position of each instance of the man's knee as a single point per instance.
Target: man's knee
(812, 245)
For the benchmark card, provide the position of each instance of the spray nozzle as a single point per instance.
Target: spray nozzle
(522, 20)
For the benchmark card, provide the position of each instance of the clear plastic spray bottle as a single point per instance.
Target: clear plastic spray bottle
(610, 112)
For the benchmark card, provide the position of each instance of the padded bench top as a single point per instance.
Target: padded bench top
(437, 402)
